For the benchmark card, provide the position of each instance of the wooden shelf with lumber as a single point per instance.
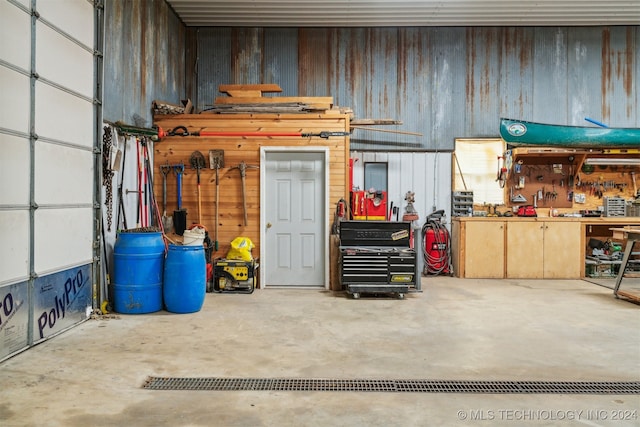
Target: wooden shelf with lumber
(249, 98)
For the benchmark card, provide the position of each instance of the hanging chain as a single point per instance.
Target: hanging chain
(107, 173)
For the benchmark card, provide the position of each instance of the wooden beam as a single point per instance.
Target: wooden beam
(366, 122)
(258, 87)
(401, 132)
(275, 99)
(317, 102)
(244, 93)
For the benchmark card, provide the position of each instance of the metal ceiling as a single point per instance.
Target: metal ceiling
(405, 13)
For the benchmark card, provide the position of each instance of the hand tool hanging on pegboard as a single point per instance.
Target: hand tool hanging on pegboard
(139, 184)
(198, 162)
(146, 198)
(179, 215)
(121, 209)
(242, 167)
(216, 161)
(153, 211)
(167, 221)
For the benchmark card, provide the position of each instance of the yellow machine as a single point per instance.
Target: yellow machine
(234, 275)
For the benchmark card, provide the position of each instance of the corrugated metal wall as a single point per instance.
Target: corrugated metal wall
(442, 82)
(144, 59)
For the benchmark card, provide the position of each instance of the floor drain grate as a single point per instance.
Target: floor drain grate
(398, 386)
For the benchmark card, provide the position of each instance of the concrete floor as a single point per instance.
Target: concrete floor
(457, 329)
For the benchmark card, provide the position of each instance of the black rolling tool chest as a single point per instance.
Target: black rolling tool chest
(376, 257)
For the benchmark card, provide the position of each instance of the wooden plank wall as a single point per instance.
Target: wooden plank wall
(176, 149)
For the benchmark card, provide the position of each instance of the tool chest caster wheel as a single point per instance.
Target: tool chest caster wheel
(356, 295)
(401, 296)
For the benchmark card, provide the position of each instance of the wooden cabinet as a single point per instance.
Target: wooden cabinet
(525, 243)
(527, 248)
(481, 247)
(543, 249)
(563, 254)
(485, 247)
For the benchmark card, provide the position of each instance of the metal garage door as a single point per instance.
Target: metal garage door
(48, 163)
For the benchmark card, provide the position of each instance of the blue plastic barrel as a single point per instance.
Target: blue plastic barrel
(185, 279)
(138, 261)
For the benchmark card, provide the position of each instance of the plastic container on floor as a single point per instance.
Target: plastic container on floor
(185, 279)
(137, 272)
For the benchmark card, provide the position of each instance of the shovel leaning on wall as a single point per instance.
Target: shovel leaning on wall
(179, 215)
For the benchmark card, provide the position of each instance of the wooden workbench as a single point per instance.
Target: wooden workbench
(527, 248)
(632, 236)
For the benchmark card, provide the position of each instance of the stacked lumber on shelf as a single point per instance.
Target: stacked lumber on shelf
(250, 99)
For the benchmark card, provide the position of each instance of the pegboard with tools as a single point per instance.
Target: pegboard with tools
(569, 181)
(542, 182)
(597, 183)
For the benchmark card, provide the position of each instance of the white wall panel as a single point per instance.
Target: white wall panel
(14, 250)
(63, 175)
(62, 116)
(15, 36)
(427, 174)
(75, 72)
(75, 17)
(14, 101)
(14, 170)
(63, 238)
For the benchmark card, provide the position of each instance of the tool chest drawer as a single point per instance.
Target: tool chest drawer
(363, 265)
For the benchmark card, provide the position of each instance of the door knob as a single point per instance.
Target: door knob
(269, 225)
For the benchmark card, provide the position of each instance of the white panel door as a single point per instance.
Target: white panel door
(294, 215)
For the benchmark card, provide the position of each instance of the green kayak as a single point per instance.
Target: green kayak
(522, 133)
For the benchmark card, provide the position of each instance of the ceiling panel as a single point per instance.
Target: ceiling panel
(378, 13)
